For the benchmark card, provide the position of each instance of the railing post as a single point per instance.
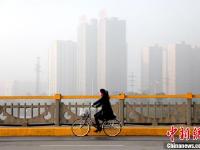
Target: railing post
(57, 111)
(121, 107)
(189, 108)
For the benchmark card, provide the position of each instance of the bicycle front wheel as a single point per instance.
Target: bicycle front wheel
(80, 127)
(112, 127)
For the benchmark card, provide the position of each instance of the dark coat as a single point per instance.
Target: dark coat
(106, 112)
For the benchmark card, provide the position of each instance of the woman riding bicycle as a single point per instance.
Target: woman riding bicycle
(106, 113)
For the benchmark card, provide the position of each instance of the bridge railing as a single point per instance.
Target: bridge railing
(130, 109)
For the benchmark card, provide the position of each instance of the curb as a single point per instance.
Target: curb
(66, 131)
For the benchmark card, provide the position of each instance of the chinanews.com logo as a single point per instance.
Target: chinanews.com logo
(187, 138)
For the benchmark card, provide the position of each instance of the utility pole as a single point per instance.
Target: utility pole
(38, 67)
(132, 81)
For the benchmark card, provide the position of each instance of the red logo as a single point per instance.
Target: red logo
(184, 133)
(171, 133)
(196, 133)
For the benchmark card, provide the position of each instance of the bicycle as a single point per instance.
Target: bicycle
(82, 126)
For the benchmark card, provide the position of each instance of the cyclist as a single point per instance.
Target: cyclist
(106, 112)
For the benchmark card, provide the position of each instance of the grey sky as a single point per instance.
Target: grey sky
(28, 28)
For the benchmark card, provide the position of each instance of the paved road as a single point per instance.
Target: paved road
(83, 143)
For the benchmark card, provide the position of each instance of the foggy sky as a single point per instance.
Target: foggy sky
(29, 27)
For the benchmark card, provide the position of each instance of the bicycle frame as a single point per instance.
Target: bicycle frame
(90, 120)
(87, 121)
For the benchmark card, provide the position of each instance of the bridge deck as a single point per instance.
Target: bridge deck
(85, 143)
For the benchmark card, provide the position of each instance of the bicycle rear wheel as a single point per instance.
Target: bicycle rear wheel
(80, 127)
(112, 127)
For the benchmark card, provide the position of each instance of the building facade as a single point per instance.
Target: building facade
(182, 68)
(63, 68)
(112, 55)
(152, 70)
(87, 57)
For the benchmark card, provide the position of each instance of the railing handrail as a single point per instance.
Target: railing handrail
(57, 107)
(120, 96)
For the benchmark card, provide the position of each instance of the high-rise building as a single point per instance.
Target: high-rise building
(63, 68)
(182, 68)
(87, 57)
(112, 55)
(1, 88)
(152, 71)
(195, 70)
(145, 88)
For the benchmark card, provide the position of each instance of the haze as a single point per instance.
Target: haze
(29, 27)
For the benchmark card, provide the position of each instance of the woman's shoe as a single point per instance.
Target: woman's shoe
(98, 130)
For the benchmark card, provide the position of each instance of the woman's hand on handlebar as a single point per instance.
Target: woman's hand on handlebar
(93, 106)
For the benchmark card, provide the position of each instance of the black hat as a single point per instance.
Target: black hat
(104, 92)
